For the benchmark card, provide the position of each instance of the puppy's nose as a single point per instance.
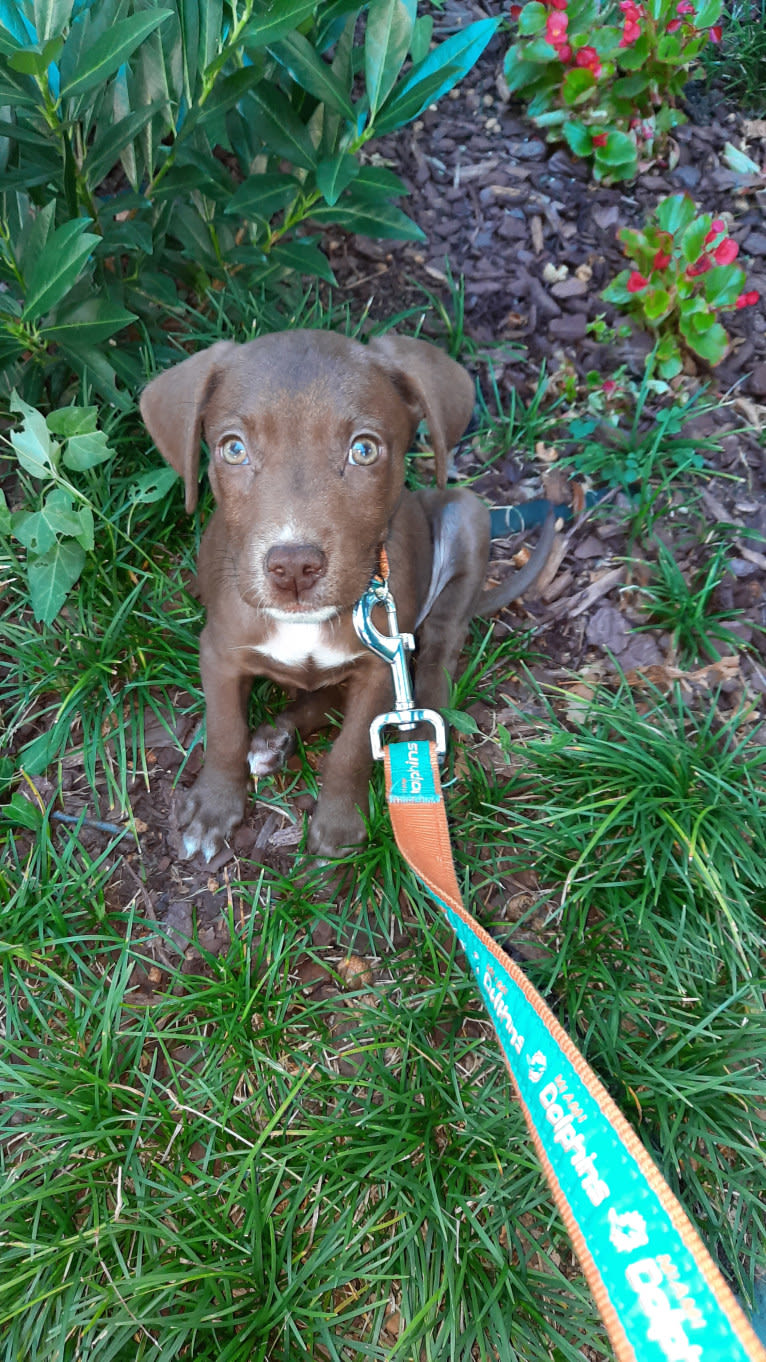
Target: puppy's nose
(295, 567)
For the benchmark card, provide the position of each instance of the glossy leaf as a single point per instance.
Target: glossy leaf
(422, 34)
(57, 267)
(378, 182)
(532, 19)
(278, 20)
(708, 13)
(723, 284)
(435, 77)
(693, 239)
(301, 255)
(334, 175)
(34, 61)
(387, 40)
(88, 323)
(308, 70)
(107, 53)
(578, 137)
(378, 220)
(675, 213)
(578, 84)
(710, 344)
(110, 145)
(619, 150)
(280, 127)
(51, 18)
(261, 196)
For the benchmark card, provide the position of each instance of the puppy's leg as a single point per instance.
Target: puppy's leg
(337, 823)
(460, 528)
(215, 804)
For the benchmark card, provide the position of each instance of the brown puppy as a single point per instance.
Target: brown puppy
(307, 433)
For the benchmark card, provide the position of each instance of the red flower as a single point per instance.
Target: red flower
(559, 4)
(727, 252)
(716, 33)
(588, 56)
(556, 28)
(630, 34)
(661, 260)
(673, 26)
(683, 7)
(609, 387)
(636, 282)
(564, 53)
(747, 299)
(598, 139)
(716, 227)
(515, 11)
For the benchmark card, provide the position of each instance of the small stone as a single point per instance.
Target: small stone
(607, 629)
(570, 288)
(755, 243)
(606, 217)
(688, 176)
(531, 150)
(571, 327)
(757, 384)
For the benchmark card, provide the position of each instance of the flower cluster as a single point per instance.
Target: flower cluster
(605, 76)
(556, 34)
(683, 10)
(632, 16)
(683, 275)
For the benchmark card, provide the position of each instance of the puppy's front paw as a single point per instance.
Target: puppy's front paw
(336, 828)
(209, 812)
(270, 747)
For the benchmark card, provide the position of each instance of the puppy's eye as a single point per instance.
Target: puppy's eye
(363, 451)
(232, 449)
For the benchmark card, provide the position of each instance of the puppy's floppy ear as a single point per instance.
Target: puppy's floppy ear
(173, 405)
(434, 386)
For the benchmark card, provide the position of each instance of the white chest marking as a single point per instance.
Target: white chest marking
(293, 644)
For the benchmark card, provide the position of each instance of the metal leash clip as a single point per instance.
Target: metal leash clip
(393, 648)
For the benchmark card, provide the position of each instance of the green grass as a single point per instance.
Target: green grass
(739, 63)
(235, 1167)
(196, 1177)
(685, 605)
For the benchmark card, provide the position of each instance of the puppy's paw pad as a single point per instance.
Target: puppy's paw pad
(270, 748)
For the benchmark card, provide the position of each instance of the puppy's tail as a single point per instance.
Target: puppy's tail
(489, 602)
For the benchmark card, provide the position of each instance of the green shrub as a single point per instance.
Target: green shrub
(683, 276)
(605, 77)
(149, 154)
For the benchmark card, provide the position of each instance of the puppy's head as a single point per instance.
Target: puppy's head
(307, 433)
